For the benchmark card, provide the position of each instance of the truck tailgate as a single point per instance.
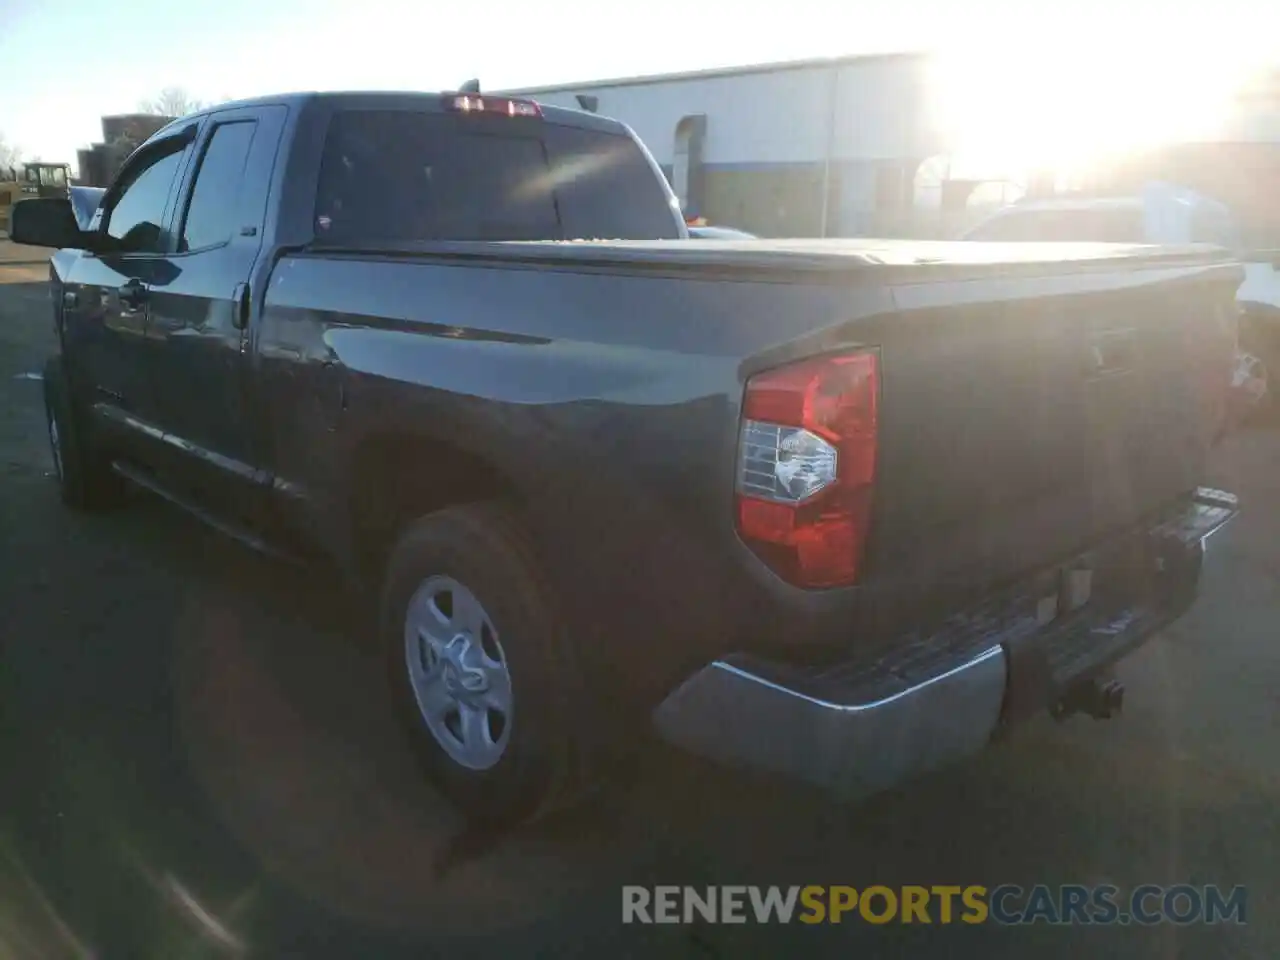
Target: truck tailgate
(1020, 423)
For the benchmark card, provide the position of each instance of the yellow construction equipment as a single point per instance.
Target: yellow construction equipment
(10, 193)
(33, 179)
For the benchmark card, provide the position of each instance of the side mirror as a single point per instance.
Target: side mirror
(46, 222)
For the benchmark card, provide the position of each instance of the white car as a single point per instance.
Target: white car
(1163, 214)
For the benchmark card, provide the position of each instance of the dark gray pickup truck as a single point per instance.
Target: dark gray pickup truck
(841, 510)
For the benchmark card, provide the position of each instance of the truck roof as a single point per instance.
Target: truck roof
(401, 99)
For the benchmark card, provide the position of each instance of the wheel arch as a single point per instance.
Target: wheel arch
(397, 475)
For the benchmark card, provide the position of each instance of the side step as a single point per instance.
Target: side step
(245, 536)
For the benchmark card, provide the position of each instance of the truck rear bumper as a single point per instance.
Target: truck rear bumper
(857, 728)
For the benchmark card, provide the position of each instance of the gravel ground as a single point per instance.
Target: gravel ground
(11, 252)
(197, 761)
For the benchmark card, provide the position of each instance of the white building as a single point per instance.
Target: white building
(762, 147)
(853, 145)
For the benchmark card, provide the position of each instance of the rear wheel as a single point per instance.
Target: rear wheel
(1251, 399)
(85, 479)
(477, 663)
(1257, 362)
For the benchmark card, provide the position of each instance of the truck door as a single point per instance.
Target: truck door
(198, 332)
(106, 298)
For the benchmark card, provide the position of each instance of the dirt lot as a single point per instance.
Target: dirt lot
(196, 759)
(12, 253)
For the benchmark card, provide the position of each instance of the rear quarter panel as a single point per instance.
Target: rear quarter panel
(609, 401)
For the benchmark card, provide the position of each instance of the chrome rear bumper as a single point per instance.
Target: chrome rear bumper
(857, 728)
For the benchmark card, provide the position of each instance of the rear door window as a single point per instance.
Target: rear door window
(406, 176)
(214, 204)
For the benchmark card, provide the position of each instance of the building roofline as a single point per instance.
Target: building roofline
(712, 73)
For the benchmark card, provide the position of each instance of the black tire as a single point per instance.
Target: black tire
(483, 547)
(85, 479)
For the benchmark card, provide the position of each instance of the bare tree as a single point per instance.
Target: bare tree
(9, 156)
(172, 102)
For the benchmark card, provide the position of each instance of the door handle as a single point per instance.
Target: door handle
(240, 306)
(133, 294)
(70, 299)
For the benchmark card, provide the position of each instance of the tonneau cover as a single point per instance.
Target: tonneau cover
(813, 255)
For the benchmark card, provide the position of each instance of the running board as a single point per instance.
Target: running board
(235, 531)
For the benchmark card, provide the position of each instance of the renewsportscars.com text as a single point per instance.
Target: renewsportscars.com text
(1068, 904)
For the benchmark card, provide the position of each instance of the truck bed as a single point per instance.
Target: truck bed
(608, 378)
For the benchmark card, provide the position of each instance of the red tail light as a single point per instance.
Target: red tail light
(806, 467)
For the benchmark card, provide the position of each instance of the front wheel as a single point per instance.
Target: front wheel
(477, 661)
(85, 480)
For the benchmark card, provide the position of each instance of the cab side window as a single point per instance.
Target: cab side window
(135, 221)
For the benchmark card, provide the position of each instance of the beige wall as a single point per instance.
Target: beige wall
(786, 201)
(769, 201)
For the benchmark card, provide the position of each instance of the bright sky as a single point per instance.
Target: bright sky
(65, 63)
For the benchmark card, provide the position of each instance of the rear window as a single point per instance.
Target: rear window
(1092, 226)
(605, 187)
(399, 176)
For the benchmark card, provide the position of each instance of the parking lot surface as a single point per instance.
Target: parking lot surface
(197, 761)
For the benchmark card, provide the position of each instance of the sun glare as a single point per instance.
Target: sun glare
(1069, 107)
